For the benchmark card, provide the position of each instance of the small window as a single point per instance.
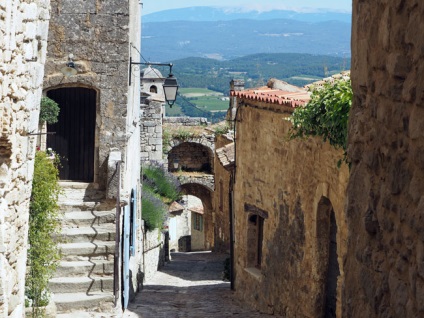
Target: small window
(197, 222)
(153, 89)
(255, 232)
(221, 196)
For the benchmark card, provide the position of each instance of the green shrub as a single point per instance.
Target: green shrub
(326, 115)
(166, 140)
(44, 225)
(153, 209)
(49, 111)
(160, 189)
(221, 129)
(161, 182)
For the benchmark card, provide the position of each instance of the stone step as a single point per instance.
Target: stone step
(86, 285)
(84, 268)
(88, 218)
(67, 302)
(87, 250)
(88, 234)
(74, 191)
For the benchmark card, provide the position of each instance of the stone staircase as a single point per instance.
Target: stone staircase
(84, 278)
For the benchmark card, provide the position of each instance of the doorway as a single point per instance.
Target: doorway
(74, 133)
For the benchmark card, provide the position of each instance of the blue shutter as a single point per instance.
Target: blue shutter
(134, 224)
(126, 257)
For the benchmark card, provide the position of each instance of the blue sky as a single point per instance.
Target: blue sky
(150, 6)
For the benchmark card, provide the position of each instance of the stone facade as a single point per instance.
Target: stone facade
(23, 43)
(222, 200)
(154, 253)
(101, 36)
(289, 221)
(152, 111)
(385, 258)
(151, 133)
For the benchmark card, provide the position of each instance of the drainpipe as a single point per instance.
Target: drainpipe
(116, 261)
(232, 205)
(231, 201)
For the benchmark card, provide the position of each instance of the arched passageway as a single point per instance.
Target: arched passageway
(328, 266)
(201, 215)
(190, 157)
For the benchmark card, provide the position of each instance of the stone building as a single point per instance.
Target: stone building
(287, 209)
(152, 112)
(23, 43)
(97, 139)
(224, 168)
(384, 263)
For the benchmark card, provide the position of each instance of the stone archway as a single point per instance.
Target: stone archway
(328, 269)
(205, 194)
(191, 157)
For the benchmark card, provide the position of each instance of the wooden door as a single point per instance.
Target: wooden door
(74, 132)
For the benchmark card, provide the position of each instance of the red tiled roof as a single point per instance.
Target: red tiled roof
(197, 209)
(226, 155)
(275, 96)
(175, 207)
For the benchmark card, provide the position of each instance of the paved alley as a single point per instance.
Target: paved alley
(190, 285)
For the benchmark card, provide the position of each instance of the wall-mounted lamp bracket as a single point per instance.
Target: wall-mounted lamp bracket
(170, 86)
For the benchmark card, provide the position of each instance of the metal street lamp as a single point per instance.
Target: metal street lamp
(69, 69)
(170, 86)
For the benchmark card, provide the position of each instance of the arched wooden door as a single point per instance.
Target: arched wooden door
(74, 133)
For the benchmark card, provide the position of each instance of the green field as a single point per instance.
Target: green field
(191, 90)
(174, 111)
(209, 103)
(205, 99)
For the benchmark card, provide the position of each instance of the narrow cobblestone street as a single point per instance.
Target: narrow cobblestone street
(190, 285)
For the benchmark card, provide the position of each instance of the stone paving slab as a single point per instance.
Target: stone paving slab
(190, 286)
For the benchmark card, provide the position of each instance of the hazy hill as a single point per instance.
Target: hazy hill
(297, 69)
(225, 14)
(164, 41)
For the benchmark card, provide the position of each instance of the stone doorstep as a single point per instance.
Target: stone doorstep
(89, 234)
(88, 249)
(84, 267)
(68, 302)
(78, 185)
(81, 284)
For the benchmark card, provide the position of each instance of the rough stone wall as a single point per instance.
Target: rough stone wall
(221, 212)
(23, 42)
(186, 121)
(154, 256)
(285, 181)
(98, 33)
(151, 131)
(102, 35)
(385, 206)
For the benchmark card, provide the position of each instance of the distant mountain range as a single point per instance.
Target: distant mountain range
(222, 14)
(219, 34)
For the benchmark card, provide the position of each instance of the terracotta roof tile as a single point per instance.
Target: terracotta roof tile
(274, 96)
(226, 155)
(197, 209)
(175, 207)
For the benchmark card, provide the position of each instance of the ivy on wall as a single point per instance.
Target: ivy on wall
(326, 115)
